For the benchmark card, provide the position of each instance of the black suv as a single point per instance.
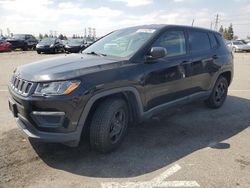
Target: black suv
(50, 45)
(23, 41)
(127, 76)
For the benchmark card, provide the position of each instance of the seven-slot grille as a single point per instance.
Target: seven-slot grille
(21, 86)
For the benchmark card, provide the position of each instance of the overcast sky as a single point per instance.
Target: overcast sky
(68, 17)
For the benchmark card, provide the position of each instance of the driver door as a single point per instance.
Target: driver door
(169, 78)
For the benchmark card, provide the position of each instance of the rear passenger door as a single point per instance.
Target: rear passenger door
(203, 49)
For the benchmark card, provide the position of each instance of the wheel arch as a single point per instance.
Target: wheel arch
(227, 75)
(129, 94)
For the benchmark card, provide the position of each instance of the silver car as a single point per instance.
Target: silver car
(238, 46)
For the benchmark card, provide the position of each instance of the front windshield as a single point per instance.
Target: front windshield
(47, 41)
(238, 43)
(122, 43)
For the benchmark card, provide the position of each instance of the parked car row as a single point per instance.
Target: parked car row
(46, 45)
(238, 46)
(5, 46)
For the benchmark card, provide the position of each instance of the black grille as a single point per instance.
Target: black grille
(21, 86)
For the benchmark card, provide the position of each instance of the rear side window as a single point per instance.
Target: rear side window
(173, 41)
(198, 41)
(213, 40)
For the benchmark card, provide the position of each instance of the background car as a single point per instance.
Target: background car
(23, 41)
(50, 45)
(74, 45)
(2, 38)
(5, 46)
(244, 41)
(238, 46)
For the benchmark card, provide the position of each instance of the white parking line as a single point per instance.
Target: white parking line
(155, 182)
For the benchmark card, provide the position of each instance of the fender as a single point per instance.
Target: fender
(97, 96)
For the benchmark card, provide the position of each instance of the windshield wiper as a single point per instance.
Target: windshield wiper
(94, 53)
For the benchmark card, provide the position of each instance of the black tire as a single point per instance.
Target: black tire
(219, 93)
(109, 125)
(38, 52)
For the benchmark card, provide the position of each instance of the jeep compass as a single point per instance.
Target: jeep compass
(126, 76)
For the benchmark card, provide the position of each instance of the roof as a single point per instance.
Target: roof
(162, 26)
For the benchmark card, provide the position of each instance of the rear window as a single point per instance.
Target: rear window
(213, 40)
(198, 41)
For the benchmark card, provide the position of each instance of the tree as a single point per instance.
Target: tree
(61, 37)
(235, 37)
(221, 30)
(65, 38)
(230, 32)
(40, 36)
(225, 34)
(46, 35)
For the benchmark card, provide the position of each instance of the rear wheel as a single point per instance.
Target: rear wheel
(109, 125)
(38, 52)
(219, 93)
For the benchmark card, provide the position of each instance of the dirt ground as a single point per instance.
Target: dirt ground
(190, 146)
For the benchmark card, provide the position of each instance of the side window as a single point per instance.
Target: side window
(198, 41)
(173, 41)
(213, 40)
(27, 37)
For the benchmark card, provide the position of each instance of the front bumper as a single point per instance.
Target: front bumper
(243, 49)
(45, 49)
(46, 119)
(72, 49)
(31, 132)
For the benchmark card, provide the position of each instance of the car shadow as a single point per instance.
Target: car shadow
(153, 145)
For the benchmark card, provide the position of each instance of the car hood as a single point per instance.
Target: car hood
(65, 67)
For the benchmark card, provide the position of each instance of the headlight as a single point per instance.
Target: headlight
(56, 88)
(52, 45)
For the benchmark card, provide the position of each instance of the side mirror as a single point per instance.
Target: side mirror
(157, 52)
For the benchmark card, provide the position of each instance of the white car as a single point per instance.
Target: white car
(238, 46)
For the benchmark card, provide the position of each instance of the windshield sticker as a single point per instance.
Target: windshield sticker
(145, 31)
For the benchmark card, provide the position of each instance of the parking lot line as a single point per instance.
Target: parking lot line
(155, 182)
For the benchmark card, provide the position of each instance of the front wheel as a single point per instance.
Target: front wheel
(109, 125)
(219, 93)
